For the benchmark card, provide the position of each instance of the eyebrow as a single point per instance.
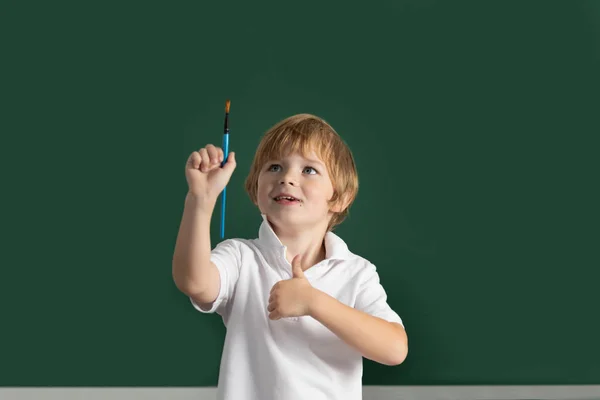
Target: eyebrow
(309, 160)
(313, 161)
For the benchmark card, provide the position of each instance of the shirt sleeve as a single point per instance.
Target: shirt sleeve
(226, 257)
(372, 298)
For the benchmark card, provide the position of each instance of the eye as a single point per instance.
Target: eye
(309, 170)
(274, 168)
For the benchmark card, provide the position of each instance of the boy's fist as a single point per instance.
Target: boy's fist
(205, 177)
(291, 297)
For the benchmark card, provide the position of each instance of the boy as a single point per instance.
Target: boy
(301, 310)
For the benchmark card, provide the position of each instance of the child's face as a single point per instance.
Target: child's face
(305, 178)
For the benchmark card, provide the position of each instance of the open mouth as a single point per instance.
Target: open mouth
(286, 199)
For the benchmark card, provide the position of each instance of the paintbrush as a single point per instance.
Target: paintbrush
(225, 154)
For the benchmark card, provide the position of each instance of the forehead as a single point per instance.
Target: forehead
(307, 149)
(299, 156)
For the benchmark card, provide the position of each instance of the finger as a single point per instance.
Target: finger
(275, 286)
(221, 158)
(230, 164)
(213, 153)
(195, 160)
(205, 159)
(297, 260)
(271, 307)
(274, 315)
(297, 267)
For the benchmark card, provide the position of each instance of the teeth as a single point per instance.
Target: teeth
(284, 197)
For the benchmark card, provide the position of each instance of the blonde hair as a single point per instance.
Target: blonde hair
(304, 133)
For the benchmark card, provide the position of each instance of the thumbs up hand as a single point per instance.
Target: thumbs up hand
(291, 297)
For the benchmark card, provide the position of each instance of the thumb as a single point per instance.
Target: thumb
(297, 267)
(229, 166)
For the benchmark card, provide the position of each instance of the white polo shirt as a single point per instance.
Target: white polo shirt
(291, 358)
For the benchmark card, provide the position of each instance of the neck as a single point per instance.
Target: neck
(307, 242)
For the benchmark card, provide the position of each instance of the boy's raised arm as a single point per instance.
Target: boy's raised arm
(193, 272)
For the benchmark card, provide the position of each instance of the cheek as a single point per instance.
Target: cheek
(320, 192)
(262, 191)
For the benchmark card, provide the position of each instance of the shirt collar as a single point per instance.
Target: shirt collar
(335, 247)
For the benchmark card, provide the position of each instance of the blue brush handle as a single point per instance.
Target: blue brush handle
(224, 193)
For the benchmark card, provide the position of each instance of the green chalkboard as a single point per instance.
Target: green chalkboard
(473, 125)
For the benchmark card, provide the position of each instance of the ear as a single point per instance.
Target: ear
(341, 204)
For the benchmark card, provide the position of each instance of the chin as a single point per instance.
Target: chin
(286, 220)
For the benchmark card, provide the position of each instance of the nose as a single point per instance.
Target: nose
(288, 177)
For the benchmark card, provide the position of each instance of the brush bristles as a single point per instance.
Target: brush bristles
(227, 104)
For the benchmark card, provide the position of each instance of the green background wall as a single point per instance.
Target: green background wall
(473, 124)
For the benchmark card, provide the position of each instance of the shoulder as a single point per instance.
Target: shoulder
(234, 253)
(338, 250)
(239, 246)
(235, 243)
(358, 268)
(228, 245)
